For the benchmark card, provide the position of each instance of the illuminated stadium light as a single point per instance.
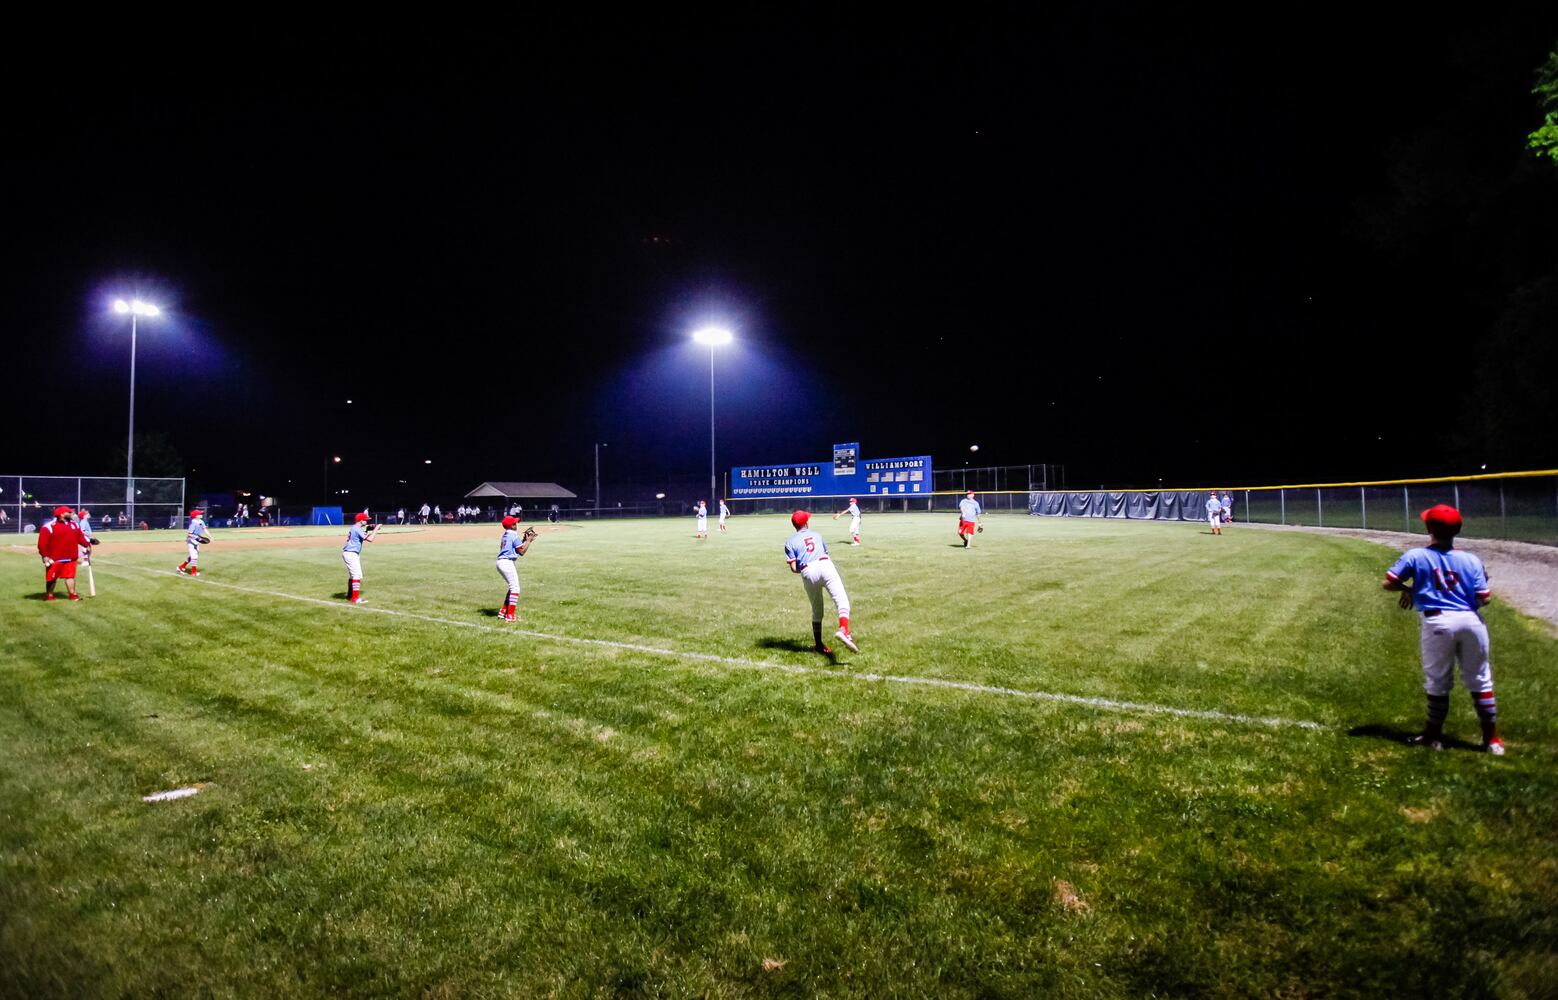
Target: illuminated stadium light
(135, 308)
(714, 336)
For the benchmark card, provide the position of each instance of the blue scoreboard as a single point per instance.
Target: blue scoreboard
(847, 475)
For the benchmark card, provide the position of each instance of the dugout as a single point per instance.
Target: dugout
(529, 495)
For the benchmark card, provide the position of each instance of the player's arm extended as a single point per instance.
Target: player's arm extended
(1394, 583)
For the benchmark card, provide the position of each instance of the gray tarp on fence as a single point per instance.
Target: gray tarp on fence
(1164, 505)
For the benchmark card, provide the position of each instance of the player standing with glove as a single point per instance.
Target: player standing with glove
(351, 554)
(968, 518)
(1448, 587)
(510, 547)
(195, 537)
(807, 554)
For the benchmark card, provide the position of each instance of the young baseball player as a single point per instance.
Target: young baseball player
(702, 511)
(59, 546)
(510, 547)
(1447, 587)
(853, 510)
(724, 512)
(351, 554)
(1227, 505)
(807, 554)
(194, 537)
(968, 518)
(1214, 513)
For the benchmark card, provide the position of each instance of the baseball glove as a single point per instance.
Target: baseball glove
(980, 529)
(529, 535)
(205, 540)
(835, 517)
(95, 541)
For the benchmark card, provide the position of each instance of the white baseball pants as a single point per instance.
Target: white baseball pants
(508, 572)
(353, 564)
(854, 526)
(819, 576)
(1450, 636)
(194, 552)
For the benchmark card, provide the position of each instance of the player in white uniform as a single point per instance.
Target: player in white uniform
(1227, 507)
(724, 512)
(702, 511)
(1214, 513)
(968, 518)
(1448, 586)
(807, 554)
(510, 547)
(195, 537)
(351, 554)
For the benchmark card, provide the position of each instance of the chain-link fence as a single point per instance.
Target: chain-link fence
(29, 501)
(1522, 506)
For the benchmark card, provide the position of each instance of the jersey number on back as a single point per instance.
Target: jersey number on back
(1446, 580)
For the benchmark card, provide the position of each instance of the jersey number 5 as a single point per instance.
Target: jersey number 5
(810, 545)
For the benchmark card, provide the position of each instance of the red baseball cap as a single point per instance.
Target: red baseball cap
(1442, 515)
(800, 518)
(196, 512)
(83, 513)
(509, 522)
(852, 500)
(61, 511)
(363, 517)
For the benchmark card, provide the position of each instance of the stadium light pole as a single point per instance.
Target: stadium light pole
(135, 309)
(713, 336)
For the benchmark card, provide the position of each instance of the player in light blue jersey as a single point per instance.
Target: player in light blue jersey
(1214, 513)
(807, 555)
(1448, 587)
(194, 537)
(968, 518)
(510, 547)
(351, 554)
(724, 512)
(1227, 506)
(702, 513)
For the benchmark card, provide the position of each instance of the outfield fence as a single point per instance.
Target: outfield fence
(116, 503)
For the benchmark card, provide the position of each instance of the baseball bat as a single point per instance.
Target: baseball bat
(91, 581)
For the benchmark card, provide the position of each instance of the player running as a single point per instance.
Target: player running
(510, 547)
(968, 518)
(853, 510)
(1448, 586)
(194, 537)
(807, 554)
(724, 512)
(351, 554)
(1214, 513)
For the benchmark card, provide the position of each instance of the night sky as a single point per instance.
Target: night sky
(1144, 247)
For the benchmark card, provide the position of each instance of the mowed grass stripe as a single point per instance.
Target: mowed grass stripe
(1107, 704)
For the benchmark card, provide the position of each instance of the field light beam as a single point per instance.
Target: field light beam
(1106, 704)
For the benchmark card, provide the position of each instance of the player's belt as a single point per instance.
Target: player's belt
(1433, 613)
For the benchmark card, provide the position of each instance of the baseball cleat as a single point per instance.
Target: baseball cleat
(1425, 740)
(1495, 747)
(846, 639)
(819, 648)
(182, 570)
(50, 597)
(77, 597)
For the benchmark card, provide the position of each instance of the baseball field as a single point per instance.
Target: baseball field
(1082, 758)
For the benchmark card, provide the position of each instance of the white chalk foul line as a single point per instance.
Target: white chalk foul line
(1108, 704)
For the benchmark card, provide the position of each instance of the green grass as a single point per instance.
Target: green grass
(438, 804)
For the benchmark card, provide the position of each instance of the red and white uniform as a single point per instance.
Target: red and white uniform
(60, 542)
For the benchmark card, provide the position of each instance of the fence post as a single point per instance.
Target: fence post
(1457, 487)
(1503, 515)
(1319, 510)
(1282, 500)
(1406, 508)
(1246, 506)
